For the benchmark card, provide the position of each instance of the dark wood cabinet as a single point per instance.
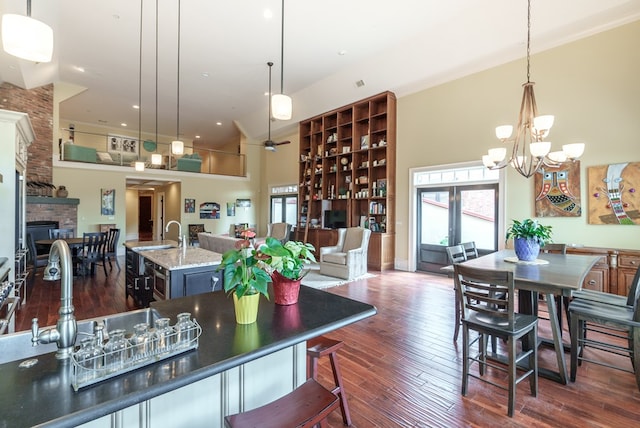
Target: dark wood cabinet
(347, 164)
(138, 280)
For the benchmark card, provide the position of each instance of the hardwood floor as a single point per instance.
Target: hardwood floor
(401, 367)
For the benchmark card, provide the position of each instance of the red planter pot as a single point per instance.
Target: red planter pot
(285, 290)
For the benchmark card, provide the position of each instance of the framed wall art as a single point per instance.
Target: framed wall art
(558, 191)
(210, 210)
(107, 201)
(189, 205)
(613, 197)
(231, 209)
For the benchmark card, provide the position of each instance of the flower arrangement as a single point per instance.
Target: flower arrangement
(288, 259)
(529, 229)
(244, 268)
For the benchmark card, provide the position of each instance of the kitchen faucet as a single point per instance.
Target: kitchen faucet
(180, 237)
(66, 329)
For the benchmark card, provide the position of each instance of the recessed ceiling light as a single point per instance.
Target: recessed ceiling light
(79, 69)
(219, 123)
(123, 124)
(197, 136)
(136, 106)
(268, 14)
(342, 52)
(205, 74)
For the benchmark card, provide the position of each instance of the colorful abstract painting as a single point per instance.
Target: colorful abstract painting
(210, 210)
(557, 191)
(613, 197)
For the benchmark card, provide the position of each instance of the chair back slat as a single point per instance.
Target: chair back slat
(554, 249)
(93, 244)
(470, 249)
(456, 254)
(486, 294)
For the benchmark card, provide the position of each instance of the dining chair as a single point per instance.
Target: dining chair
(615, 324)
(470, 249)
(561, 301)
(33, 259)
(194, 229)
(111, 248)
(457, 254)
(489, 315)
(91, 252)
(60, 233)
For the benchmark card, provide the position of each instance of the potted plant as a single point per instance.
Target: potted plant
(286, 262)
(528, 236)
(245, 277)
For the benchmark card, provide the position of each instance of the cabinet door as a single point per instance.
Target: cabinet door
(597, 279)
(202, 282)
(625, 279)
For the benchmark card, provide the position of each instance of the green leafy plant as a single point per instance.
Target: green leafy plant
(529, 229)
(289, 259)
(244, 268)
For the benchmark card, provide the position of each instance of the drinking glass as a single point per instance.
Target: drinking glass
(185, 330)
(90, 359)
(140, 341)
(163, 336)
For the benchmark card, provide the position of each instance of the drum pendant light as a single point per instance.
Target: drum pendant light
(177, 146)
(27, 38)
(281, 105)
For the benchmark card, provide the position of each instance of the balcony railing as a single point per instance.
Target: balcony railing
(121, 150)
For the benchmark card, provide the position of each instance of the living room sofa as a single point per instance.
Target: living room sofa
(217, 243)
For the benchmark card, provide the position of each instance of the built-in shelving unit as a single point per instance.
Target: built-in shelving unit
(347, 163)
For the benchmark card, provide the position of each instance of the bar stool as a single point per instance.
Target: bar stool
(306, 406)
(319, 347)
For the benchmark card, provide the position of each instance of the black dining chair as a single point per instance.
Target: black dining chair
(456, 254)
(60, 233)
(614, 324)
(111, 248)
(91, 252)
(489, 315)
(34, 260)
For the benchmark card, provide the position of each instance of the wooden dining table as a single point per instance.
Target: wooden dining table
(561, 274)
(75, 245)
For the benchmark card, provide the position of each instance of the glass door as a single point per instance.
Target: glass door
(450, 215)
(284, 209)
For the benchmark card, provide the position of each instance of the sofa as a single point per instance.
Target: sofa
(189, 162)
(217, 243)
(76, 153)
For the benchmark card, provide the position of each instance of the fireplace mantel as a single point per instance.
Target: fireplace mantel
(52, 200)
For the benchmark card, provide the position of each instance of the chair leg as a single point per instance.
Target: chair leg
(465, 359)
(337, 377)
(117, 262)
(456, 328)
(533, 363)
(576, 331)
(511, 343)
(635, 332)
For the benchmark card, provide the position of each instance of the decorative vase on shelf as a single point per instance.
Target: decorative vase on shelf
(62, 192)
(526, 249)
(246, 308)
(285, 290)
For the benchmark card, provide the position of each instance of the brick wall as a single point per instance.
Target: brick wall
(64, 214)
(38, 104)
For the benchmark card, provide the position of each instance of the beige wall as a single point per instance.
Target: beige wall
(592, 88)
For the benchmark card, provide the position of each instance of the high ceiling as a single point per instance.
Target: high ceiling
(400, 45)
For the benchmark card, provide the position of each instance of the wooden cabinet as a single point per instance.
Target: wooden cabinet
(627, 266)
(614, 271)
(347, 164)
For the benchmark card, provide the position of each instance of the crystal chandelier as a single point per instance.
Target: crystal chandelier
(530, 151)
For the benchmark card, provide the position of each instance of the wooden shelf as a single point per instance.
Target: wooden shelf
(347, 162)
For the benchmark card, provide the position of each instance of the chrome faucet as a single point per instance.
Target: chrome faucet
(65, 332)
(180, 237)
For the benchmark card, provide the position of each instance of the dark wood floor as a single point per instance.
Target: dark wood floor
(401, 367)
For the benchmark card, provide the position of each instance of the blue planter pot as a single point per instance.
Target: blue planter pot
(526, 249)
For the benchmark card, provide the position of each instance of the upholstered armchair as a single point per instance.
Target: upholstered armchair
(280, 231)
(348, 258)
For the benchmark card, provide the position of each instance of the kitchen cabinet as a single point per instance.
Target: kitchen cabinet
(614, 271)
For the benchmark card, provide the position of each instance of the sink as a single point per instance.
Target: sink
(17, 346)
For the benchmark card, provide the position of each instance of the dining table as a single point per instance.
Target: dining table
(549, 275)
(75, 245)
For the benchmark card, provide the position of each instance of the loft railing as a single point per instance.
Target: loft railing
(112, 149)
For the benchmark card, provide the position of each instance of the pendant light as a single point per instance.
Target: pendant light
(27, 38)
(281, 105)
(139, 165)
(177, 146)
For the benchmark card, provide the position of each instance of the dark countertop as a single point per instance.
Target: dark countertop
(43, 396)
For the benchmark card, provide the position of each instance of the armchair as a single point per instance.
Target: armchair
(280, 231)
(348, 258)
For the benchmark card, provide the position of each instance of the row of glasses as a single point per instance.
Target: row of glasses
(97, 358)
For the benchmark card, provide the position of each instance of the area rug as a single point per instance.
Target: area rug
(315, 280)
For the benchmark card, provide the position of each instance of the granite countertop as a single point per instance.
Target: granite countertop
(43, 396)
(182, 258)
(150, 245)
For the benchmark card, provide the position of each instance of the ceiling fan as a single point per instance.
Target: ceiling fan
(269, 144)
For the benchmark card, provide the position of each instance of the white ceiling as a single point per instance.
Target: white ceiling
(400, 45)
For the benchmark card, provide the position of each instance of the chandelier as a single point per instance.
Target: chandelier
(530, 151)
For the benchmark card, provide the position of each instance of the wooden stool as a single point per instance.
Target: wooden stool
(305, 406)
(320, 347)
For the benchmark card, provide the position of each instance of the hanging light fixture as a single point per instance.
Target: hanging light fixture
(529, 152)
(177, 146)
(139, 166)
(27, 38)
(281, 105)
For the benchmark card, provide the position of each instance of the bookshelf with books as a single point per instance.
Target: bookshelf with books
(347, 164)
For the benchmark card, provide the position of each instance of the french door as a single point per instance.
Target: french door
(449, 215)
(284, 209)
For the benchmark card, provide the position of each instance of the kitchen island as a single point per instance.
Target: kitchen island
(160, 270)
(236, 368)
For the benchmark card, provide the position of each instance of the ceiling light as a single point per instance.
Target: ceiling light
(281, 105)
(156, 159)
(197, 137)
(136, 106)
(177, 146)
(139, 166)
(27, 38)
(529, 152)
(123, 124)
(219, 123)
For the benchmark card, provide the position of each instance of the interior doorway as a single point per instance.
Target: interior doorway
(145, 217)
